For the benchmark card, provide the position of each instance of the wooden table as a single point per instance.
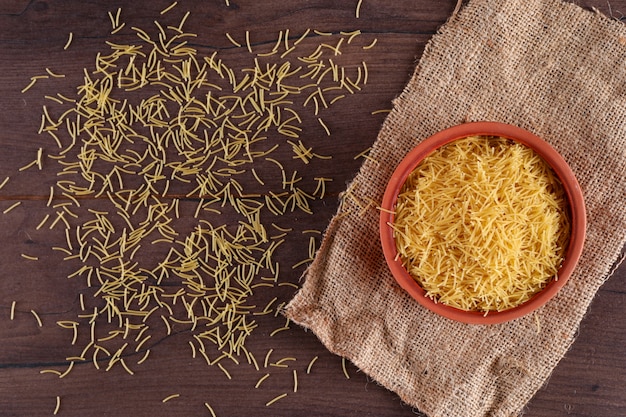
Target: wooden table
(53, 38)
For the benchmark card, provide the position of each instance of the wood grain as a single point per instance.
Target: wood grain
(589, 381)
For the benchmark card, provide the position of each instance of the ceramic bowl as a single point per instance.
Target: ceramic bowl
(429, 145)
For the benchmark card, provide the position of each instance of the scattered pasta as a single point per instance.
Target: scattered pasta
(277, 398)
(69, 40)
(37, 318)
(11, 207)
(208, 406)
(198, 130)
(170, 397)
(344, 368)
(310, 365)
(57, 406)
(359, 3)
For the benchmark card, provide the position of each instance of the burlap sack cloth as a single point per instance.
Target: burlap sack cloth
(544, 65)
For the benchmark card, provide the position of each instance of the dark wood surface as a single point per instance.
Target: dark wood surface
(589, 381)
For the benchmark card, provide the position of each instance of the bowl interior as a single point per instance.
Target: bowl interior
(543, 149)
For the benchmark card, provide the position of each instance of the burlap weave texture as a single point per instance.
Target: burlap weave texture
(544, 65)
